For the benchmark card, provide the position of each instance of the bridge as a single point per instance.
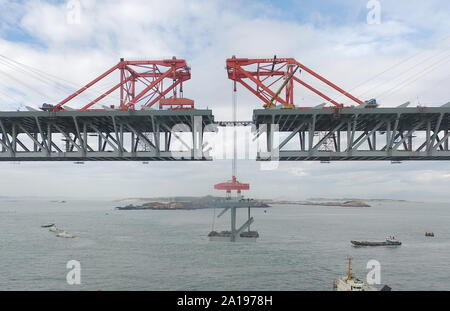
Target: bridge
(133, 130)
(363, 134)
(332, 131)
(116, 135)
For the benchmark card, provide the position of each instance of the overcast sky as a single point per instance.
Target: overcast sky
(332, 37)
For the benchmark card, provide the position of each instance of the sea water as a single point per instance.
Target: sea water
(300, 247)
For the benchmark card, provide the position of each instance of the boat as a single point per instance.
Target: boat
(430, 234)
(47, 226)
(65, 234)
(350, 283)
(390, 241)
(55, 229)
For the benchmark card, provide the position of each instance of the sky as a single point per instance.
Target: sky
(402, 58)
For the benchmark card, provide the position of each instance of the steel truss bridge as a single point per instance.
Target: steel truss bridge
(134, 131)
(365, 134)
(145, 135)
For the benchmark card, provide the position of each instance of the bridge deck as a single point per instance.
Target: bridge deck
(420, 133)
(102, 135)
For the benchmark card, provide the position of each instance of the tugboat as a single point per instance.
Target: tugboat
(350, 283)
(390, 241)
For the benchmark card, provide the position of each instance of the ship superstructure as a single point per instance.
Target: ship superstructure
(350, 283)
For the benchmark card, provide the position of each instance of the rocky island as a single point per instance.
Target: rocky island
(185, 203)
(345, 203)
(192, 203)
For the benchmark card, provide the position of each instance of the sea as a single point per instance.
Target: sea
(300, 247)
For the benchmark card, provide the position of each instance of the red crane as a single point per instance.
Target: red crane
(141, 82)
(259, 75)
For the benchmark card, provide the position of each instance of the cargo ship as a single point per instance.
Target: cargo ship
(390, 241)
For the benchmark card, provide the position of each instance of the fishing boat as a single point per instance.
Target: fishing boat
(430, 234)
(390, 241)
(47, 226)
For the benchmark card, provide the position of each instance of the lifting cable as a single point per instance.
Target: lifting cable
(234, 119)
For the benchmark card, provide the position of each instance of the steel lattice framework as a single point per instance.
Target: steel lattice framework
(395, 134)
(261, 75)
(159, 135)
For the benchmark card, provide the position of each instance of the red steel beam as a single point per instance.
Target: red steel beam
(318, 92)
(334, 86)
(84, 88)
(105, 94)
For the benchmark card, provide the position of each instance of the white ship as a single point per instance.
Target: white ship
(65, 234)
(55, 229)
(60, 233)
(350, 283)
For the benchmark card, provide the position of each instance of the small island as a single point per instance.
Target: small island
(343, 203)
(193, 203)
(187, 203)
